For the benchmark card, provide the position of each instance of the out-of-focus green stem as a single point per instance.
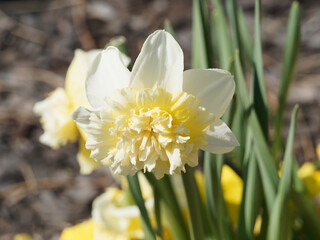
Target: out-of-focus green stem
(192, 194)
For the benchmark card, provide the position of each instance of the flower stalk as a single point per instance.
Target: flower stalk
(194, 205)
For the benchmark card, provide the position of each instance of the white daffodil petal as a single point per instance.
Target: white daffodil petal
(213, 87)
(81, 117)
(106, 74)
(76, 76)
(220, 138)
(160, 62)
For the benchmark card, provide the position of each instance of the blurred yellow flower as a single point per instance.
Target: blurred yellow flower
(232, 187)
(115, 216)
(311, 178)
(115, 210)
(22, 236)
(55, 112)
(81, 231)
(156, 117)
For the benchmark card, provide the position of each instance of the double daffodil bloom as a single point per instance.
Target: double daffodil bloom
(55, 111)
(156, 117)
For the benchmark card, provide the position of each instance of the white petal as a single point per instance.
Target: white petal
(220, 138)
(106, 74)
(213, 87)
(160, 62)
(81, 117)
(76, 76)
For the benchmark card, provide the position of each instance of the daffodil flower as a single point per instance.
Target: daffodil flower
(56, 109)
(115, 216)
(156, 117)
(116, 213)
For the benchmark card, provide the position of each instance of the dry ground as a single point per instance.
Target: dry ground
(41, 191)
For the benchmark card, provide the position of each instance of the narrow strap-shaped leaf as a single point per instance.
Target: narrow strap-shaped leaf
(201, 39)
(259, 90)
(137, 195)
(233, 18)
(268, 170)
(252, 193)
(157, 211)
(168, 27)
(221, 35)
(276, 227)
(245, 37)
(288, 68)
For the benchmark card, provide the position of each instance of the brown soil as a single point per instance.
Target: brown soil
(41, 191)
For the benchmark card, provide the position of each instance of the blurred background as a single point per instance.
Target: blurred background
(41, 190)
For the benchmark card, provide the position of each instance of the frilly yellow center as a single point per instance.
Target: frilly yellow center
(150, 129)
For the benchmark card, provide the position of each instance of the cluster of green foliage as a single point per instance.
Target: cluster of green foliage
(221, 39)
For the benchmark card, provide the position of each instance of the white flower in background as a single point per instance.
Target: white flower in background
(116, 213)
(55, 111)
(156, 117)
(55, 119)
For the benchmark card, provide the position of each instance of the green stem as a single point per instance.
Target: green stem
(194, 207)
(170, 206)
(137, 195)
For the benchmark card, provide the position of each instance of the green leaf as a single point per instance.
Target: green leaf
(277, 228)
(119, 42)
(137, 195)
(221, 35)
(157, 211)
(288, 68)
(232, 10)
(168, 27)
(245, 36)
(306, 209)
(252, 194)
(268, 170)
(201, 42)
(259, 90)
